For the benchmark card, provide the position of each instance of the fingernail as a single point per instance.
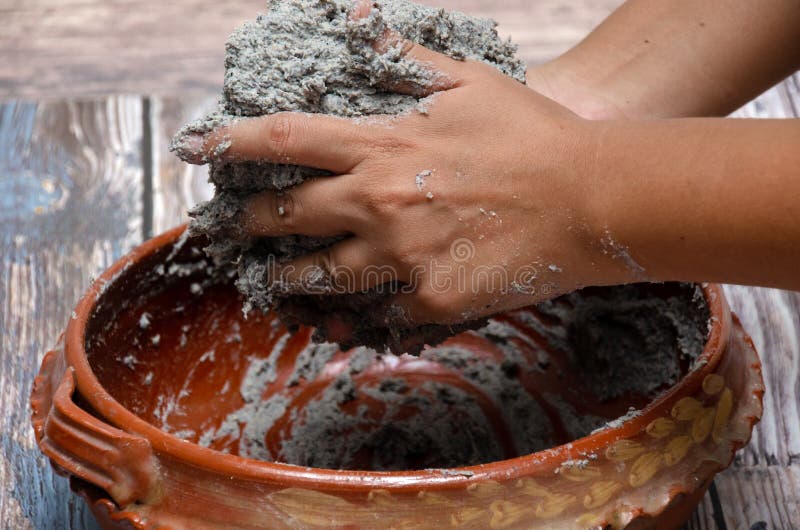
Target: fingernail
(189, 147)
(361, 9)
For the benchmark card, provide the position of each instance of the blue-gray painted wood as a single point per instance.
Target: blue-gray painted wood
(70, 201)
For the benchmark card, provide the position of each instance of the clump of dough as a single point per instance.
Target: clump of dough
(309, 56)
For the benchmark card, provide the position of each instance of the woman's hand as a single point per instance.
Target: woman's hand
(653, 59)
(478, 204)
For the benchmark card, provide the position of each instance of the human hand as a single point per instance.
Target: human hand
(651, 59)
(478, 204)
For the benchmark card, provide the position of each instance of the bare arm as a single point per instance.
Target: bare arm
(682, 58)
(701, 199)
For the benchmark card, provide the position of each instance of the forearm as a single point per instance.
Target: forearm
(700, 199)
(674, 59)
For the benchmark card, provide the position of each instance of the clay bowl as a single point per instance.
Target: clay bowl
(159, 391)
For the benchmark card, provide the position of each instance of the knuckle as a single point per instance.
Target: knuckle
(372, 199)
(369, 198)
(278, 212)
(280, 134)
(285, 210)
(390, 145)
(387, 201)
(384, 211)
(401, 195)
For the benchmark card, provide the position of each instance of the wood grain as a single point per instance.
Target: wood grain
(70, 186)
(771, 318)
(761, 494)
(177, 186)
(116, 47)
(757, 498)
(79, 48)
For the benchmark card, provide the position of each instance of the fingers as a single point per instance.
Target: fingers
(324, 206)
(346, 267)
(312, 140)
(447, 73)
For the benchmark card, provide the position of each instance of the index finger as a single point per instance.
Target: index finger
(312, 140)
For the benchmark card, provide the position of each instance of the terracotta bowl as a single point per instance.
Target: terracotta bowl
(137, 401)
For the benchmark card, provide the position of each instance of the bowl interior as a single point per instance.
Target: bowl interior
(169, 342)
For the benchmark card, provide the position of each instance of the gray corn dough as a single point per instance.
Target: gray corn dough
(308, 56)
(620, 342)
(623, 342)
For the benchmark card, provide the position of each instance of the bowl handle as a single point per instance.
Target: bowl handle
(80, 444)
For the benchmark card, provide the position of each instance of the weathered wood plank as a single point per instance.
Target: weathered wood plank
(751, 498)
(780, 101)
(70, 187)
(177, 186)
(54, 49)
(771, 318)
(765, 497)
(99, 48)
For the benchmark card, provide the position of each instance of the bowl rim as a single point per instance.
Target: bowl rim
(197, 456)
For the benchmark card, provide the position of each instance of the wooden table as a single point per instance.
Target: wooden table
(85, 176)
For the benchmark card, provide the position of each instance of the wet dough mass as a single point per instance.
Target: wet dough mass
(306, 55)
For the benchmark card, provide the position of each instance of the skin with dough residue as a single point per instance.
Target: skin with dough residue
(313, 56)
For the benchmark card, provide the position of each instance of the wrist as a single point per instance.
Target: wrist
(611, 222)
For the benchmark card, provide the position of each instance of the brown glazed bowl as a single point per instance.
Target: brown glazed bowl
(115, 387)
